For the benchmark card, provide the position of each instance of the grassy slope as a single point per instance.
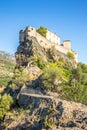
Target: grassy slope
(6, 70)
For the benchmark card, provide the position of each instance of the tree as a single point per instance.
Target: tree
(75, 93)
(83, 67)
(53, 77)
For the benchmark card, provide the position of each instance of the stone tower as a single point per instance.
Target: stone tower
(67, 44)
(24, 34)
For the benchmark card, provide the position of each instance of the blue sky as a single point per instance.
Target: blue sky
(68, 18)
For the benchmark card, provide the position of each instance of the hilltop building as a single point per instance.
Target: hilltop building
(52, 37)
(51, 40)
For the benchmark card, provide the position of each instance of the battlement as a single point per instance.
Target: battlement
(51, 40)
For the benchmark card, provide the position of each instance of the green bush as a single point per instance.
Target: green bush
(21, 111)
(4, 80)
(69, 82)
(48, 122)
(40, 63)
(36, 60)
(83, 67)
(42, 31)
(70, 55)
(20, 76)
(5, 103)
(77, 94)
(53, 77)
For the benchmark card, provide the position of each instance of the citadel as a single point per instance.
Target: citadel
(50, 40)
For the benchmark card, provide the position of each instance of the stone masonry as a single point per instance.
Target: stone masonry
(51, 40)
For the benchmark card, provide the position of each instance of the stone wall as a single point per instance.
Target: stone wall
(52, 37)
(47, 44)
(44, 42)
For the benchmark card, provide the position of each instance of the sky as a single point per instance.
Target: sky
(68, 18)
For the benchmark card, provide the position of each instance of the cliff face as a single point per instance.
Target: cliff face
(31, 47)
(27, 49)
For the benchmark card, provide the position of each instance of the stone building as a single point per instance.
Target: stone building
(53, 37)
(67, 45)
(51, 40)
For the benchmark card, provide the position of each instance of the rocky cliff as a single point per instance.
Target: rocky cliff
(31, 47)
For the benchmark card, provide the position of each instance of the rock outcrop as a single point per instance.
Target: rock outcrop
(27, 49)
(31, 47)
(49, 113)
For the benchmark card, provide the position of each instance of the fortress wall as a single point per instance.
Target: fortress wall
(44, 42)
(52, 37)
(61, 49)
(47, 44)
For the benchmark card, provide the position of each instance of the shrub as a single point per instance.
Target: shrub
(5, 103)
(40, 63)
(70, 55)
(48, 122)
(77, 94)
(42, 31)
(83, 67)
(53, 50)
(20, 76)
(53, 77)
(21, 111)
(37, 60)
(70, 83)
(4, 81)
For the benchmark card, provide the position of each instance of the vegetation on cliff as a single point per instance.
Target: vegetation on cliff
(70, 55)
(42, 31)
(20, 76)
(5, 103)
(61, 77)
(70, 83)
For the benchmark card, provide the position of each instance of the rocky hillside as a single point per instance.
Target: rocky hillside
(46, 88)
(45, 112)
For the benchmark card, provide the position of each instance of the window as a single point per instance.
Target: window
(31, 28)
